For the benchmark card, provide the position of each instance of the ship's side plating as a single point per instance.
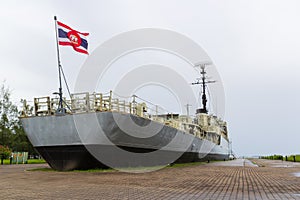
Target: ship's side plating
(67, 145)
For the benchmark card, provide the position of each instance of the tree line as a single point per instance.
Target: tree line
(12, 134)
(293, 158)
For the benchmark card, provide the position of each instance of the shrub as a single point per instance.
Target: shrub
(5, 152)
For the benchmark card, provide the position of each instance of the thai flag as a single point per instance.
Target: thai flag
(70, 37)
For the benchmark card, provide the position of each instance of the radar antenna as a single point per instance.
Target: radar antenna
(203, 82)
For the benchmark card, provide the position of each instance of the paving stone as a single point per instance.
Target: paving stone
(221, 180)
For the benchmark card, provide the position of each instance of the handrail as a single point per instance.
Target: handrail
(98, 102)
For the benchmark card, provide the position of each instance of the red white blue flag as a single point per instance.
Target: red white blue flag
(70, 37)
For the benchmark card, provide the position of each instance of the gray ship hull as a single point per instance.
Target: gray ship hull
(111, 139)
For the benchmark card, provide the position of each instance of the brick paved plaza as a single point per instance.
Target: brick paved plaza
(238, 179)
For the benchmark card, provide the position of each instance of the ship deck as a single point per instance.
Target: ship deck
(237, 179)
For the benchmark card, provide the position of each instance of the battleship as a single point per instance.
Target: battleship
(87, 131)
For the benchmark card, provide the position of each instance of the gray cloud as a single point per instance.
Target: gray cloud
(254, 45)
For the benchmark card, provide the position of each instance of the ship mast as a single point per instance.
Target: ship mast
(60, 109)
(203, 82)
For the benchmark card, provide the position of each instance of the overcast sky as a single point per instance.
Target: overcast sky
(255, 46)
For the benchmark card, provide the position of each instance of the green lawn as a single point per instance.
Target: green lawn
(29, 161)
(6, 162)
(36, 161)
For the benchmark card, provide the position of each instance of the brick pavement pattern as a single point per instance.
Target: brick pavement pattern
(272, 180)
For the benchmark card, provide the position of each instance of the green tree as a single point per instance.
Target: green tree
(11, 131)
(20, 141)
(8, 116)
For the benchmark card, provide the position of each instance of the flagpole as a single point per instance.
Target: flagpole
(60, 108)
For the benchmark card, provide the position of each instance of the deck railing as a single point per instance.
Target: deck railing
(98, 102)
(84, 102)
